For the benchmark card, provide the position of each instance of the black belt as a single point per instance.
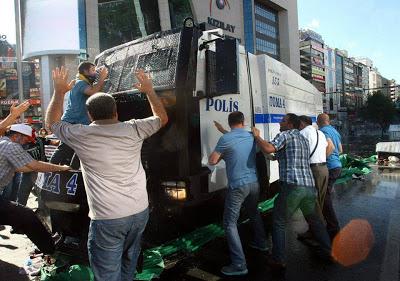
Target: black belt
(317, 164)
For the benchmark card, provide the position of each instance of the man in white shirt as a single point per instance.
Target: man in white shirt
(320, 148)
(115, 181)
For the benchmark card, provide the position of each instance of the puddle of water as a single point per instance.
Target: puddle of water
(385, 185)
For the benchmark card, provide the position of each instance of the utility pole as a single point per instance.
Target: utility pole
(17, 6)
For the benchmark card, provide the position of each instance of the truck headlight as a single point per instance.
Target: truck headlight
(175, 190)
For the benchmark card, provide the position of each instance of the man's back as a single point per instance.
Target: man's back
(332, 134)
(111, 165)
(238, 151)
(293, 154)
(317, 141)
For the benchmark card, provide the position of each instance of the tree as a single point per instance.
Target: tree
(379, 109)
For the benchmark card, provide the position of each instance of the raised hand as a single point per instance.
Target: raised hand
(103, 73)
(220, 127)
(144, 84)
(16, 111)
(60, 81)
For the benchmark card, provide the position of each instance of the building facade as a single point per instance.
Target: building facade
(91, 26)
(331, 97)
(312, 58)
(9, 93)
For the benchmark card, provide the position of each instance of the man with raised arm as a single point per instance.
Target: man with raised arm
(115, 181)
(15, 112)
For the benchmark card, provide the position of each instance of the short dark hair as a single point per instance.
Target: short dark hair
(10, 133)
(307, 120)
(235, 118)
(85, 65)
(101, 106)
(294, 120)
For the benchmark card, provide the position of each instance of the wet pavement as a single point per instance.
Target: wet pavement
(375, 199)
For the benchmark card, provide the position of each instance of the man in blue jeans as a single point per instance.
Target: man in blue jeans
(297, 189)
(113, 174)
(238, 149)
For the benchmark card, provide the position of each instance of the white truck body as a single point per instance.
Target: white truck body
(275, 90)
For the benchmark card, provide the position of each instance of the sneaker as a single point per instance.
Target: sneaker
(275, 265)
(256, 247)
(234, 270)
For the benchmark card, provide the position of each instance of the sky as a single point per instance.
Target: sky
(365, 28)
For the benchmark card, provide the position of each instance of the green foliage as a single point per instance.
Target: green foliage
(379, 109)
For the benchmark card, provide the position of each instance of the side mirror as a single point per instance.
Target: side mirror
(223, 68)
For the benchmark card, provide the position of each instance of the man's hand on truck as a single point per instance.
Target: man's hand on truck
(220, 127)
(145, 85)
(265, 146)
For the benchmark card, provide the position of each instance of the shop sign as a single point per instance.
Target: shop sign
(3, 84)
(318, 77)
(318, 71)
(317, 61)
(34, 101)
(221, 4)
(317, 47)
(221, 24)
(8, 102)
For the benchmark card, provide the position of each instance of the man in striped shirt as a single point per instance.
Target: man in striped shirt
(297, 189)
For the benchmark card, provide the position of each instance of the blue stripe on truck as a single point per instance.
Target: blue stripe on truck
(273, 118)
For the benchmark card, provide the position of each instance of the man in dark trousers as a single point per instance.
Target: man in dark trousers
(238, 149)
(335, 168)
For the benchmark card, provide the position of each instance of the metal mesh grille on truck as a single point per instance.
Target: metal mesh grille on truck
(157, 54)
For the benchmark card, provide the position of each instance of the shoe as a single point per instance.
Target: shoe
(234, 270)
(275, 265)
(262, 249)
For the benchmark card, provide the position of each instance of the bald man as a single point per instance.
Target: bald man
(334, 168)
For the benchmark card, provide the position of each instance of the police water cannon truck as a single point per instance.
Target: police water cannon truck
(200, 76)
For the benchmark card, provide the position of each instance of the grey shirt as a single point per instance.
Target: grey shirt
(111, 164)
(12, 157)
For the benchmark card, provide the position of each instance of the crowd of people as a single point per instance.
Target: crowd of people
(309, 164)
(118, 201)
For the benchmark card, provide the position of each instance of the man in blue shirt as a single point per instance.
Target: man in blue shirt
(238, 149)
(297, 189)
(76, 112)
(334, 168)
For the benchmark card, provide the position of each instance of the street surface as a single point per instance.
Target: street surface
(376, 200)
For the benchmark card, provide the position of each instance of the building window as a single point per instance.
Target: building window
(178, 11)
(266, 13)
(266, 47)
(248, 25)
(267, 30)
(121, 21)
